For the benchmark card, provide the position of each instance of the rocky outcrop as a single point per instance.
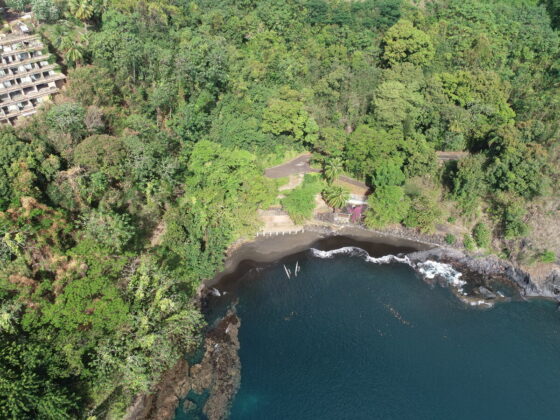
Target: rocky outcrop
(217, 375)
(530, 282)
(546, 278)
(161, 403)
(219, 371)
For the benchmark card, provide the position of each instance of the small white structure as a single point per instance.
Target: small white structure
(357, 200)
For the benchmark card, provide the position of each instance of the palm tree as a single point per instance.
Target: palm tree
(335, 196)
(74, 54)
(331, 169)
(101, 6)
(69, 44)
(62, 36)
(82, 9)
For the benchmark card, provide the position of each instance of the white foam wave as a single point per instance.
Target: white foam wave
(480, 303)
(432, 269)
(344, 250)
(428, 269)
(388, 259)
(353, 250)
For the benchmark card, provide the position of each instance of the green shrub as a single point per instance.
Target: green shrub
(102, 153)
(510, 211)
(112, 230)
(18, 5)
(547, 256)
(516, 229)
(335, 196)
(300, 202)
(423, 214)
(468, 242)
(67, 118)
(387, 205)
(46, 10)
(450, 239)
(482, 235)
(468, 184)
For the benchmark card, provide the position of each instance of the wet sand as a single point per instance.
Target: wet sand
(270, 249)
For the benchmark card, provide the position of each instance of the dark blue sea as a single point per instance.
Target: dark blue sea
(351, 339)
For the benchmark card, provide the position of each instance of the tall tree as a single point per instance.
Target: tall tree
(332, 168)
(405, 43)
(336, 196)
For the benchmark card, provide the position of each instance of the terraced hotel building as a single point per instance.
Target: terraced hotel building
(27, 78)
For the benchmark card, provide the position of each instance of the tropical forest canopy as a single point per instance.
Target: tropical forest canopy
(117, 200)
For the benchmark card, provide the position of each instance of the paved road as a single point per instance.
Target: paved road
(300, 165)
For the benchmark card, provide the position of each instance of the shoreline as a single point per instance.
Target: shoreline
(270, 249)
(482, 273)
(241, 257)
(251, 253)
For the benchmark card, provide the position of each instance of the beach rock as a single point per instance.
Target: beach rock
(487, 293)
(220, 369)
(189, 407)
(218, 374)
(533, 281)
(546, 278)
(161, 403)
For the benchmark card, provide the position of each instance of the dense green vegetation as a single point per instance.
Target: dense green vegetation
(300, 202)
(117, 200)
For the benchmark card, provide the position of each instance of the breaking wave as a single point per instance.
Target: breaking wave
(432, 269)
(359, 252)
(427, 269)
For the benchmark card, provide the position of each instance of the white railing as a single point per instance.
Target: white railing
(281, 233)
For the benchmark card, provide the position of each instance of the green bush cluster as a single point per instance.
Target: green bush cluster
(468, 242)
(391, 204)
(547, 256)
(450, 239)
(482, 235)
(300, 202)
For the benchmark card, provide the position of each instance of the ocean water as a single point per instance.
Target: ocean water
(352, 339)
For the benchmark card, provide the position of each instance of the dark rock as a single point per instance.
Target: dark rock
(218, 374)
(161, 403)
(487, 293)
(491, 266)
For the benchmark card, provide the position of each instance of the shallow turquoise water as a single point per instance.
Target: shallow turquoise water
(348, 339)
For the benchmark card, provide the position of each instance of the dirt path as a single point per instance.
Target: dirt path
(447, 156)
(294, 181)
(353, 181)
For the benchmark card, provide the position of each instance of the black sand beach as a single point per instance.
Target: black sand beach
(269, 249)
